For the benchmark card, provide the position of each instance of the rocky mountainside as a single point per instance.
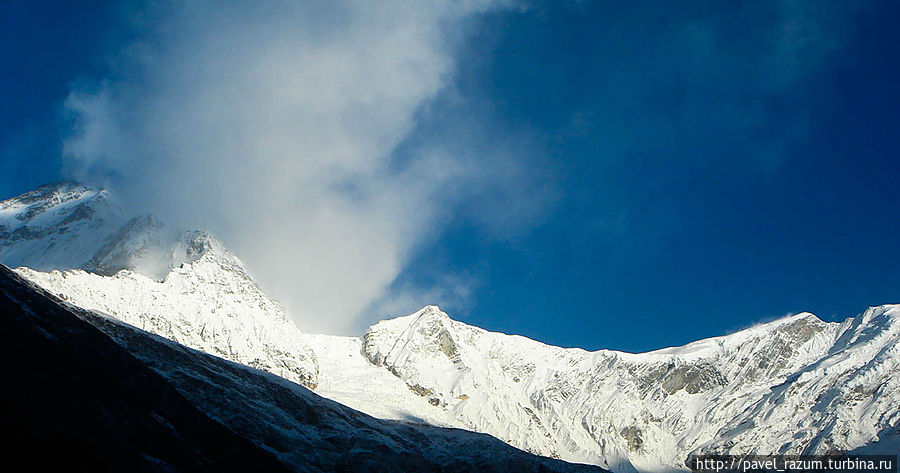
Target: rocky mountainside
(795, 385)
(121, 399)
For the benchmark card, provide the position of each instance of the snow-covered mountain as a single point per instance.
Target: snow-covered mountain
(185, 286)
(91, 393)
(795, 385)
(210, 304)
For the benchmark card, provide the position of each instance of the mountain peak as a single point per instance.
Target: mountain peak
(20, 210)
(69, 225)
(58, 226)
(431, 311)
(46, 191)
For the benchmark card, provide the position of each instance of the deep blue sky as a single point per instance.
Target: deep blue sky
(705, 167)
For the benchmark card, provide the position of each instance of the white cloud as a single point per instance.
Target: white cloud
(273, 125)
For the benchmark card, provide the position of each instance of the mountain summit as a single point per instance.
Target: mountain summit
(72, 226)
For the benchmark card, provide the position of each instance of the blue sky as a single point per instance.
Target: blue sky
(609, 175)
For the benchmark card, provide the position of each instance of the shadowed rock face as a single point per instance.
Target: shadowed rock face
(633, 436)
(75, 400)
(120, 251)
(138, 402)
(693, 379)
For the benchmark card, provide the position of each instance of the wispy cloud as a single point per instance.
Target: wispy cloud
(274, 125)
(277, 124)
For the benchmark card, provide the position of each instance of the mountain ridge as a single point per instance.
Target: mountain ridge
(796, 384)
(738, 373)
(139, 402)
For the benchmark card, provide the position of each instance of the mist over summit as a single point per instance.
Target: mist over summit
(276, 128)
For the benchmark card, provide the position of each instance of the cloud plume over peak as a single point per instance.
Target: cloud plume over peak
(274, 125)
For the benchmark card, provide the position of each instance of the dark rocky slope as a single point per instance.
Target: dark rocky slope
(75, 400)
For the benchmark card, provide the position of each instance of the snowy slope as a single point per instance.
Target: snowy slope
(312, 433)
(210, 304)
(355, 382)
